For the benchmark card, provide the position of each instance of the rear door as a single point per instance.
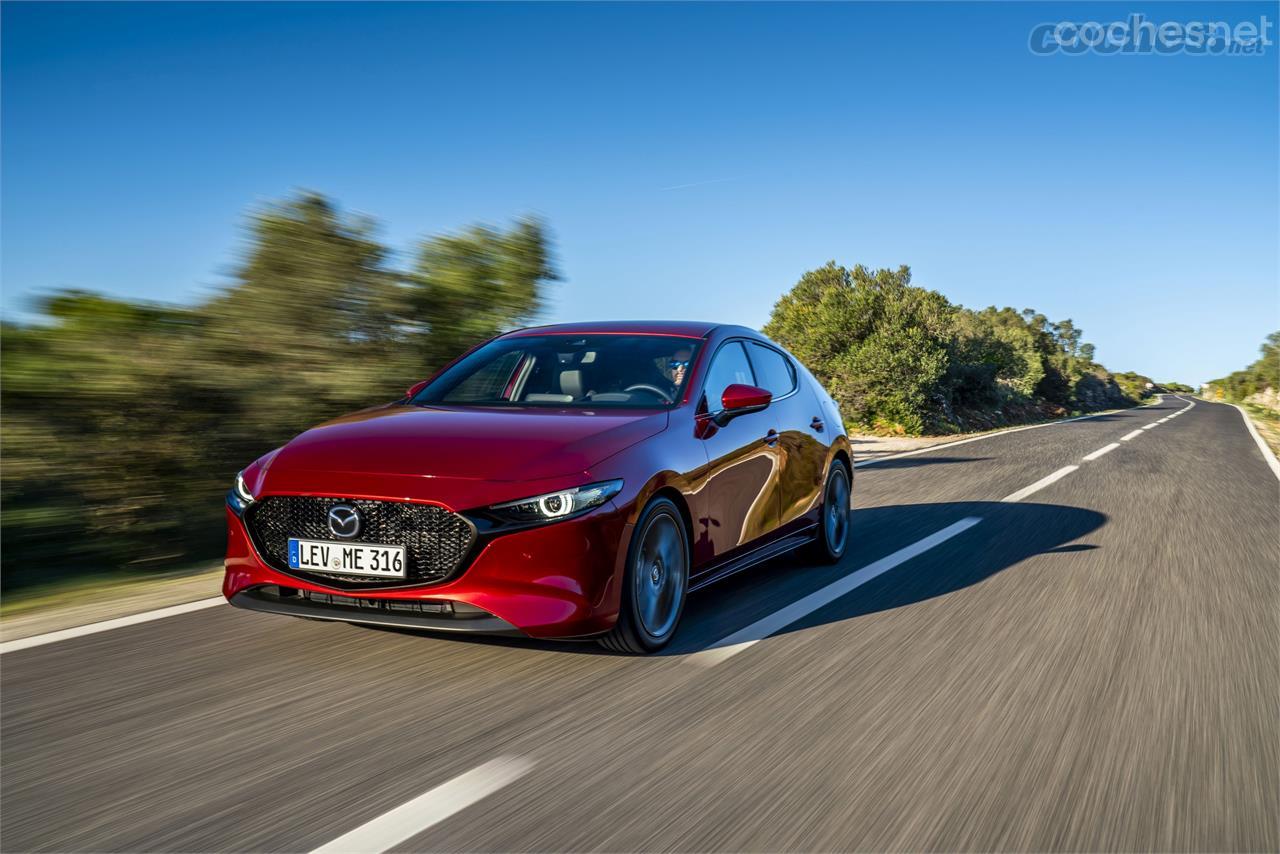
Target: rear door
(800, 429)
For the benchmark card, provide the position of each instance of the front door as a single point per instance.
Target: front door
(737, 498)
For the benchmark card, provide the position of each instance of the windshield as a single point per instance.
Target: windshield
(589, 371)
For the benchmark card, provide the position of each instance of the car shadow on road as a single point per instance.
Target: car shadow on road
(1007, 535)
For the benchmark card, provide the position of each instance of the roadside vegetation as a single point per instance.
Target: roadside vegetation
(1257, 389)
(1258, 384)
(901, 359)
(125, 422)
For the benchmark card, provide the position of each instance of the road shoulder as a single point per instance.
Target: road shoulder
(868, 450)
(1265, 434)
(111, 602)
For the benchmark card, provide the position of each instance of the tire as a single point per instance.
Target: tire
(655, 583)
(833, 528)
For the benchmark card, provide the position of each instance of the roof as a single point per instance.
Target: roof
(682, 328)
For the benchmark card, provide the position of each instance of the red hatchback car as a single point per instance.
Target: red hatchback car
(563, 481)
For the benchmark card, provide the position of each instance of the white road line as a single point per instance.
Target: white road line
(1262, 446)
(1135, 434)
(1101, 451)
(1040, 484)
(430, 808)
(1162, 420)
(991, 435)
(1151, 426)
(108, 625)
(735, 643)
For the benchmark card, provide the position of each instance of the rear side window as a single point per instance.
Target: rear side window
(729, 366)
(774, 371)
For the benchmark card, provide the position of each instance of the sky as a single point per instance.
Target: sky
(692, 161)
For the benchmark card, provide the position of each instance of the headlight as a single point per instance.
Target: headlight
(557, 505)
(242, 489)
(239, 497)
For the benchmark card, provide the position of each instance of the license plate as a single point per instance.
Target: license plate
(347, 558)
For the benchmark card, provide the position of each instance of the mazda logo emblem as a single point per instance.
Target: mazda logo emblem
(344, 521)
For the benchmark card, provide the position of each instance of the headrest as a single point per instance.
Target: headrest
(571, 383)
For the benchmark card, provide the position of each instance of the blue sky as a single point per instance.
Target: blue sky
(691, 160)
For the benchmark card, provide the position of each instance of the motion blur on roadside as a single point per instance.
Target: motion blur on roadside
(124, 421)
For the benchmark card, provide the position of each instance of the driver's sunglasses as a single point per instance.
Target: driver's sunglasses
(672, 364)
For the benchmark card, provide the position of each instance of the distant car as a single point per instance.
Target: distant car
(566, 481)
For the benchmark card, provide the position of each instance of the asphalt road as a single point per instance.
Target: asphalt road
(1093, 667)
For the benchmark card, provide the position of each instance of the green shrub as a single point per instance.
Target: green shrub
(1259, 376)
(902, 359)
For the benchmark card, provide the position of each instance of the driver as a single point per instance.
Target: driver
(678, 367)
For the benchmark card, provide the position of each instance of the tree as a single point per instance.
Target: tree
(466, 288)
(878, 343)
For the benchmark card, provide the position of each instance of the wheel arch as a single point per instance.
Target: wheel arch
(842, 454)
(677, 498)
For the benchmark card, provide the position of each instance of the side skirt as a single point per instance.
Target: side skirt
(750, 559)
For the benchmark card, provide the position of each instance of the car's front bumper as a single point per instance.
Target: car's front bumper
(273, 599)
(556, 580)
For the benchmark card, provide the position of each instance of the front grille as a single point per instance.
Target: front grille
(436, 541)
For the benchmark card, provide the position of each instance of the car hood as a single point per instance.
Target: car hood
(493, 444)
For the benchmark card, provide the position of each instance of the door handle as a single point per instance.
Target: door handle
(816, 424)
(771, 438)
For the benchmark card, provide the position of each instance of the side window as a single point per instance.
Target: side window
(774, 371)
(729, 366)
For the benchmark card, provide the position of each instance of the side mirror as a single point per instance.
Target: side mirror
(415, 388)
(739, 399)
